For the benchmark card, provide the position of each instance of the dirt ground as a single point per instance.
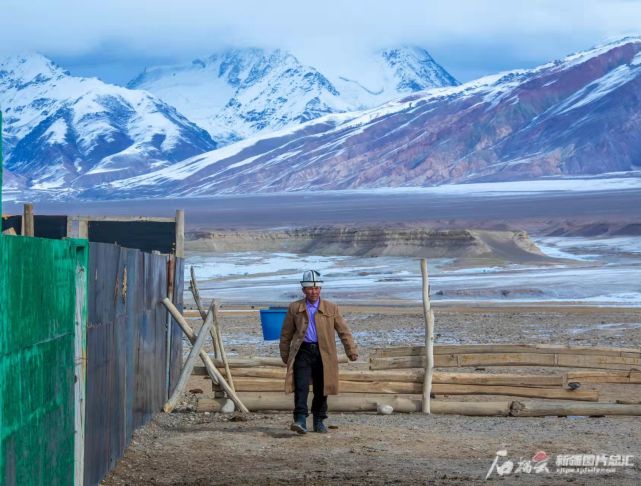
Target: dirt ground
(186, 447)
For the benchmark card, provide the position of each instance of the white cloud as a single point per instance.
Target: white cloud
(465, 35)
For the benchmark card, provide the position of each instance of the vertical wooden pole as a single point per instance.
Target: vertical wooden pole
(69, 227)
(429, 338)
(193, 285)
(27, 220)
(83, 228)
(80, 370)
(180, 233)
(221, 346)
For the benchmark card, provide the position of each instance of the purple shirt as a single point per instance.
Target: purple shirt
(310, 334)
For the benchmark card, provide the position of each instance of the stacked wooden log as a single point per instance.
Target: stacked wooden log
(540, 355)
(410, 382)
(370, 403)
(396, 378)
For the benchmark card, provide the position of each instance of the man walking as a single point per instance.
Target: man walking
(308, 347)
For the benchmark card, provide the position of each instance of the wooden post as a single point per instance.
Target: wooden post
(83, 228)
(193, 285)
(191, 359)
(429, 339)
(69, 227)
(80, 370)
(211, 369)
(27, 220)
(180, 233)
(221, 346)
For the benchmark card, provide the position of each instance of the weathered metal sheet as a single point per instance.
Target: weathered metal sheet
(44, 225)
(126, 350)
(144, 235)
(37, 333)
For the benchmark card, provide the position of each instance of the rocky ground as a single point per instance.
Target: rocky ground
(186, 447)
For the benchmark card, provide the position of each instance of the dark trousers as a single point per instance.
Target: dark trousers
(308, 365)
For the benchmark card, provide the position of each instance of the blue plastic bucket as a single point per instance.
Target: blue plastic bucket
(271, 320)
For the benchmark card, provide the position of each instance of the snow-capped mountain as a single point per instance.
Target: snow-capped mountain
(238, 93)
(574, 117)
(61, 130)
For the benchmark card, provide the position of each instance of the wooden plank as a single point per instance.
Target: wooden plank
(83, 229)
(400, 362)
(123, 218)
(69, 226)
(506, 359)
(524, 408)
(27, 220)
(604, 377)
(273, 385)
(517, 391)
(364, 403)
(506, 348)
(509, 359)
(261, 361)
(607, 362)
(180, 233)
(503, 379)
(80, 363)
(412, 376)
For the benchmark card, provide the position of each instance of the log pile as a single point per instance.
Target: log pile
(396, 377)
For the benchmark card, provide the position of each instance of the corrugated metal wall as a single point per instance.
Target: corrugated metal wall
(126, 349)
(37, 320)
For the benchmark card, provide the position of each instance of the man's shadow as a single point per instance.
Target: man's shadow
(274, 432)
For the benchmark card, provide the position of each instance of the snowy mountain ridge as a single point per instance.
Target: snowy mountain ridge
(61, 130)
(237, 93)
(574, 117)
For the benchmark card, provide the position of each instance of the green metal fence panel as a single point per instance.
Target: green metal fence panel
(38, 315)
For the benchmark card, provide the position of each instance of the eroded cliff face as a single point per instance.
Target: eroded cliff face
(415, 242)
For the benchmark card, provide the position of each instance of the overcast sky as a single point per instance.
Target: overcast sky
(115, 39)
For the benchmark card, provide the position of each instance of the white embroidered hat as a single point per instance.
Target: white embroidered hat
(311, 278)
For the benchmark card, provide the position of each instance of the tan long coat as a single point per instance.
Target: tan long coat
(328, 319)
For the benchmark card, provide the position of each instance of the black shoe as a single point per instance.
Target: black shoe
(299, 425)
(319, 426)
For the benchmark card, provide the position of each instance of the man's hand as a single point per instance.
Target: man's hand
(352, 356)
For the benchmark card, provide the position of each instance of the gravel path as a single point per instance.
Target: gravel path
(187, 448)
